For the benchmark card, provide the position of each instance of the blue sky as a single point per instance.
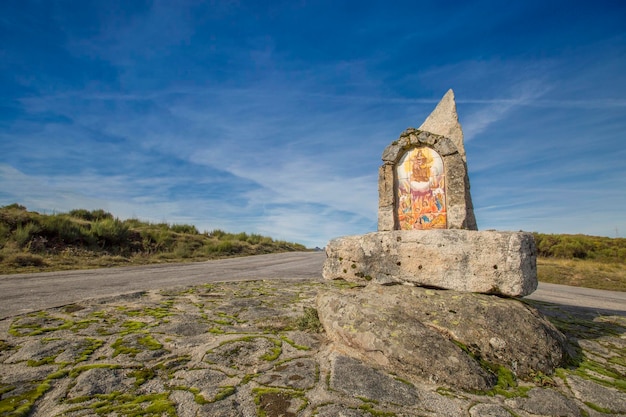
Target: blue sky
(271, 117)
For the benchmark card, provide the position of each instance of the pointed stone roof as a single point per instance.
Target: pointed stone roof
(444, 121)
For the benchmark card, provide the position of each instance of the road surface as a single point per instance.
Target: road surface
(23, 293)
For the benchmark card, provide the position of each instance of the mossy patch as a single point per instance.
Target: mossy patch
(133, 327)
(130, 347)
(38, 323)
(20, 405)
(242, 351)
(309, 321)
(6, 346)
(129, 405)
(375, 413)
(274, 402)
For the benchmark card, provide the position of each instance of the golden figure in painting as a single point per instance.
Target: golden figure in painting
(421, 195)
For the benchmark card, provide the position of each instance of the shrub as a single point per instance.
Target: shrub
(110, 233)
(134, 223)
(242, 237)
(24, 234)
(184, 228)
(93, 215)
(309, 321)
(580, 247)
(14, 206)
(157, 240)
(100, 214)
(62, 228)
(218, 233)
(25, 259)
(184, 249)
(4, 234)
(14, 215)
(229, 247)
(81, 214)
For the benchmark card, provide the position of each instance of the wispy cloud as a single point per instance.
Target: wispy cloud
(228, 117)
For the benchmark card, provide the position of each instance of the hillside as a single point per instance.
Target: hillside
(79, 239)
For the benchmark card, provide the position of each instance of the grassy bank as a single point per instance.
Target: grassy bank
(81, 239)
(582, 261)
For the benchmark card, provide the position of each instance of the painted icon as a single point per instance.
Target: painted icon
(420, 190)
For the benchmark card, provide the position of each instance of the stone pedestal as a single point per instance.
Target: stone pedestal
(489, 262)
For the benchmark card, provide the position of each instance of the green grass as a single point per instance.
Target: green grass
(583, 273)
(582, 261)
(309, 321)
(83, 239)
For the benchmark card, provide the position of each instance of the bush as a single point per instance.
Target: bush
(14, 215)
(309, 321)
(134, 223)
(81, 214)
(24, 234)
(217, 233)
(184, 228)
(93, 215)
(242, 237)
(61, 228)
(580, 247)
(25, 259)
(254, 239)
(185, 249)
(110, 233)
(228, 247)
(4, 234)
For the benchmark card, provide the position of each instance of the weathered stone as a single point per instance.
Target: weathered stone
(296, 374)
(103, 382)
(205, 382)
(545, 402)
(444, 121)
(352, 377)
(489, 410)
(335, 410)
(436, 336)
(488, 262)
(100, 381)
(609, 399)
(243, 353)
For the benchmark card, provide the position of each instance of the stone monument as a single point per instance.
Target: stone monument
(427, 233)
(454, 321)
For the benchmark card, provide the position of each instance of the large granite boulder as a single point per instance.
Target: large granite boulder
(489, 262)
(441, 337)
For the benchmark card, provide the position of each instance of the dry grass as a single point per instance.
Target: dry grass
(582, 273)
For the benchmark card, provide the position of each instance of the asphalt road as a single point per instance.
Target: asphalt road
(23, 293)
(609, 301)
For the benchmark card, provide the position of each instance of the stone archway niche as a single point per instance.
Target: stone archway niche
(451, 185)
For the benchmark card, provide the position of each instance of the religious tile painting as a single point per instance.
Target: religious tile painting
(420, 190)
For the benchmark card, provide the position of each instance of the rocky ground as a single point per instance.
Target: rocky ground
(256, 349)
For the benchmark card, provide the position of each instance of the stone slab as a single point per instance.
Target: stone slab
(489, 262)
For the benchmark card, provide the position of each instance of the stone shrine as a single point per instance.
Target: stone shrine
(454, 321)
(427, 233)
